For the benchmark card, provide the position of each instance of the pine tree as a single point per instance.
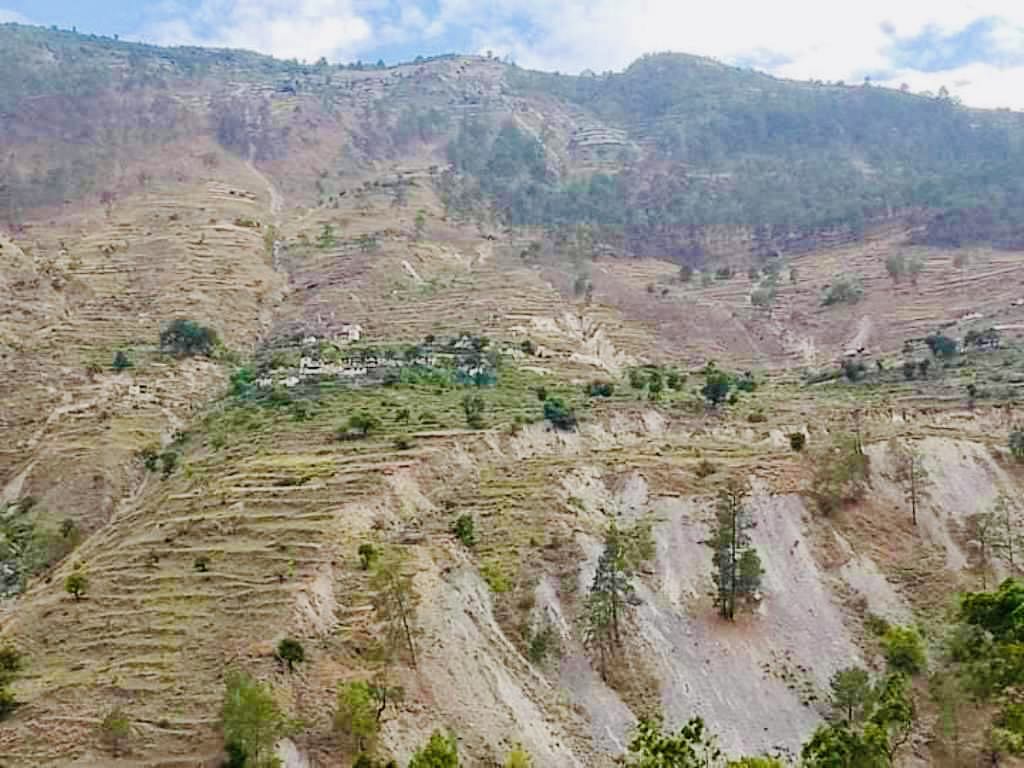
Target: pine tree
(737, 566)
(607, 601)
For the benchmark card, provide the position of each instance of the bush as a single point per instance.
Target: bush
(757, 417)
(1016, 444)
(10, 662)
(636, 378)
(541, 644)
(674, 379)
(600, 389)
(251, 718)
(201, 564)
(854, 370)
(473, 406)
(716, 387)
(121, 361)
(763, 296)
(442, 751)
(356, 713)
(402, 442)
(115, 730)
(909, 370)
(495, 577)
(840, 474)
(797, 441)
(359, 425)
(941, 346)
(465, 530)
(291, 652)
(904, 650)
(705, 469)
(76, 584)
(845, 290)
(559, 414)
(368, 554)
(7, 702)
(187, 338)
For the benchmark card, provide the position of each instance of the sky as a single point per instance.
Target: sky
(973, 47)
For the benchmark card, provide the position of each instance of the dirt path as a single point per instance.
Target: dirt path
(276, 199)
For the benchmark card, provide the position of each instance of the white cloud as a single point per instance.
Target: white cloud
(301, 29)
(9, 16)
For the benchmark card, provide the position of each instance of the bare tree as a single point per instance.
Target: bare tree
(910, 474)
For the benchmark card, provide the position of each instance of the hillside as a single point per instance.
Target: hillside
(471, 317)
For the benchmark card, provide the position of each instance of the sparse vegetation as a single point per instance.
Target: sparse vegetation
(368, 555)
(797, 441)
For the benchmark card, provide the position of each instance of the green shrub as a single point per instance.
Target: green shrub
(251, 718)
(600, 389)
(845, 290)
(797, 441)
(705, 468)
(636, 378)
(291, 652)
(904, 650)
(201, 564)
(559, 414)
(10, 662)
(76, 584)
(495, 577)
(168, 463)
(356, 713)
(359, 425)
(121, 361)
(465, 530)
(1016, 444)
(115, 730)
(7, 702)
(941, 346)
(674, 379)
(541, 643)
(187, 338)
(473, 406)
(716, 387)
(442, 751)
(757, 417)
(402, 442)
(368, 554)
(853, 370)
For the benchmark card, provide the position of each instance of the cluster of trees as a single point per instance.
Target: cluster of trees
(187, 338)
(789, 157)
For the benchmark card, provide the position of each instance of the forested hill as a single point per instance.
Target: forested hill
(736, 147)
(667, 157)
